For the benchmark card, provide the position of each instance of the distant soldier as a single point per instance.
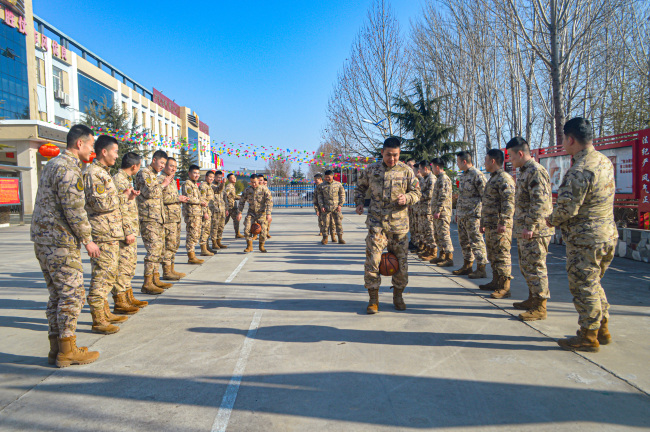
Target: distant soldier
(260, 206)
(172, 207)
(533, 204)
(393, 187)
(152, 218)
(441, 206)
(59, 226)
(468, 216)
(265, 183)
(412, 246)
(193, 213)
(318, 180)
(219, 211)
(496, 222)
(426, 229)
(231, 193)
(585, 213)
(331, 198)
(207, 195)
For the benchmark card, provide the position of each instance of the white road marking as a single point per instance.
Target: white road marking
(233, 275)
(228, 402)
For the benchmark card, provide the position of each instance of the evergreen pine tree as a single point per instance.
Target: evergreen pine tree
(186, 159)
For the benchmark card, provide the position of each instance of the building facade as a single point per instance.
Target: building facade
(48, 81)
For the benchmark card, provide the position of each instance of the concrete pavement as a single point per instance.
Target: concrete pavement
(286, 345)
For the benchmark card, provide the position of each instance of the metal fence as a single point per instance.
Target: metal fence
(302, 195)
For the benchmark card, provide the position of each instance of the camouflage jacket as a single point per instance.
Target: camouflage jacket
(60, 218)
(192, 207)
(470, 194)
(207, 194)
(128, 208)
(533, 202)
(385, 184)
(102, 203)
(498, 201)
(441, 199)
(150, 203)
(220, 197)
(260, 201)
(427, 185)
(330, 196)
(171, 204)
(231, 193)
(316, 189)
(585, 200)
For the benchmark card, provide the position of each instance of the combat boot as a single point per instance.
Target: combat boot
(333, 237)
(536, 312)
(168, 274)
(421, 248)
(465, 269)
(398, 300)
(448, 260)
(215, 245)
(411, 246)
(479, 273)
(586, 340)
(249, 246)
(373, 304)
(501, 288)
(179, 274)
(54, 348)
(428, 255)
(100, 322)
(112, 318)
(324, 241)
(438, 259)
(69, 354)
(122, 305)
(492, 285)
(268, 235)
(148, 286)
(526, 304)
(134, 301)
(205, 251)
(221, 245)
(341, 241)
(159, 283)
(604, 336)
(262, 247)
(192, 259)
(238, 235)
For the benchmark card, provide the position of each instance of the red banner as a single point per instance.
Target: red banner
(9, 191)
(644, 170)
(168, 104)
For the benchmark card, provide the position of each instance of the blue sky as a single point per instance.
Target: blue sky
(256, 72)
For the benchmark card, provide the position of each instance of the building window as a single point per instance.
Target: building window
(92, 93)
(14, 90)
(40, 71)
(61, 121)
(57, 79)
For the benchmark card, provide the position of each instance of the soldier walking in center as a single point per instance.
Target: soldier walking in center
(427, 236)
(172, 207)
(441, 206)
(393, 187)
(331, 197)
(231, 193)
(59, 226)
(193, 213)
(219, 211)
(260, 206)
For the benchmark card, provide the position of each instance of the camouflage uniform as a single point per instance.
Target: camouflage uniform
(59, 226)
(498, 209)
(219, 211)
(192, 213)
(330, 196)
(387, 221)
(425, 230)
(468, 212)
(533, 205)
(260, 205)
(152, 217)
(207, 194)
(172, 226)
(128, 252)
(441, 202)
(319, 211)
(585, 213)
(103, 208)
(231, 203)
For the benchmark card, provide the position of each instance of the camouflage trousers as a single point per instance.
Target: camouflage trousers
(193, 235)
(172, 241)
(232, 213)
(103, 273)
(333, 222)
(411, 222)
(153, 237)
(471, 240)
(320, 221)
(252, 218)
(126, 267)
(321, 224)
(498, 251)
(218, 223)
(426, 231)
(206, 227)
(443, 235)
(397, 244)
(532, 263)
(586, 266)
(64, 278)
(415, 228)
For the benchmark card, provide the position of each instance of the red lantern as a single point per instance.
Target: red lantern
(90, 159)
(49, 150)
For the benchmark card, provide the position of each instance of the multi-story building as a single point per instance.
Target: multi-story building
(48, 81)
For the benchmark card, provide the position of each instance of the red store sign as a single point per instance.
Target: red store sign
(644, 170)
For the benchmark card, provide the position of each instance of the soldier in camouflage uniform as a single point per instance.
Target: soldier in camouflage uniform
(123, 181)
(59, 226)
(260, 206)
(426, 230)
(412, 246)
(193, 213)
(172, 208)
(585, 212)
(441, 208)
(417, 216)
(318, 180)
(264, 182)
(231, 193)
(393, 187)
(533, 204)
(496, 222)
(219, 211)
(468, 214)
(152, 219)
(331, 197)
(207, 195)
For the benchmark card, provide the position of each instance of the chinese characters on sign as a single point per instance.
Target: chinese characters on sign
(168, 104)
(18, 22)
(9, 191)
(644, 168)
